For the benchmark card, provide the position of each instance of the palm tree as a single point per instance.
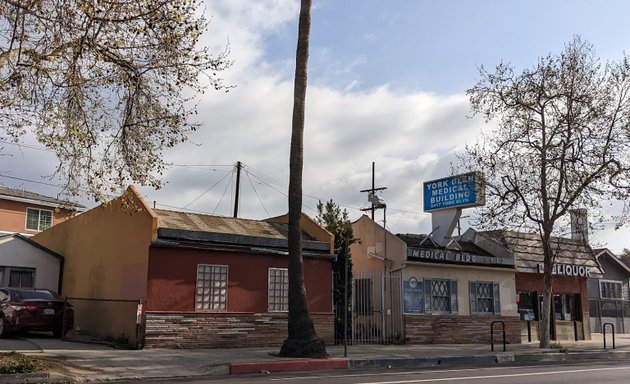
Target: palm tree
(302, 340)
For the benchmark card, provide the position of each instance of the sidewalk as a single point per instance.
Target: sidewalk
(80, 362)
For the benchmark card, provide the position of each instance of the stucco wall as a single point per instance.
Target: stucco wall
(371, 239)
(173, 273)
(13, 216)
(18, 253)
(106, 250)
(464, 274)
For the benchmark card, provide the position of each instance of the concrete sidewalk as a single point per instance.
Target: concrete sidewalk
(81, 362)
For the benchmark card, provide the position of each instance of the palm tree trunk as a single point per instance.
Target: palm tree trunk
(302, 340)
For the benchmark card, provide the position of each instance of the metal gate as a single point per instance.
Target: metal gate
(376, 309)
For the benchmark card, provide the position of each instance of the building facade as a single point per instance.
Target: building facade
(574, 263)
(29, 213)
(172, 279)
(441, 294)
(609, 300)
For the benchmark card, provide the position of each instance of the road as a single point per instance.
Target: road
(609, 372)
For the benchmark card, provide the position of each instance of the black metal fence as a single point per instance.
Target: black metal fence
(616, 312)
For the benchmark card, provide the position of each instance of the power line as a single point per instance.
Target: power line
(206, 191)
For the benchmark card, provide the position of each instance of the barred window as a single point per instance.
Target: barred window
(610, 289)
(440, 296)
(38, 219)
(278, 290)
(211, 287)
(484, 297)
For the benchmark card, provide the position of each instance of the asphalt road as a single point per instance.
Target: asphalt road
(609, 372)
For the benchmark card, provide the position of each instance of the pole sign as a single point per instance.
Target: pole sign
(460, 191)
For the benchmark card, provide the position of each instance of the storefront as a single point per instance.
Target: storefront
(575, 262)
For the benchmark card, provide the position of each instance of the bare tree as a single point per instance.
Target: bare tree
(562, 142)
(105, 84)
(302, 340)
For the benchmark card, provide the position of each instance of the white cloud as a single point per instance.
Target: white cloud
(412, 137)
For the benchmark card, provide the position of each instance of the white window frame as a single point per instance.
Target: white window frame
(39, 218)
(278, 291)
(615, 282)
(211, 289)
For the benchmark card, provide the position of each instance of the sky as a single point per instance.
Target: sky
(387, 85)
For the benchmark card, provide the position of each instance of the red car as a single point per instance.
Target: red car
(24, 309)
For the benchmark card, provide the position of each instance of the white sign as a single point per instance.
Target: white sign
(567, 270)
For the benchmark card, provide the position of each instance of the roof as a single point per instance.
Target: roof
(222, 230)
(32, 243)
(464, 250)
(424, 241)
(528, 251)
(25, 196)
(603, 252)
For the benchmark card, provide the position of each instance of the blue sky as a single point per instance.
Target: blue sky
(436, 46)
(387, 83)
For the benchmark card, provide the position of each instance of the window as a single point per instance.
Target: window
(566, 307)
(609, 289)
(363, 296)
(440, 296)
(38, 219)
(484, 297)
(278, 290)
(211, 287)
(21, 277)
(527, 308)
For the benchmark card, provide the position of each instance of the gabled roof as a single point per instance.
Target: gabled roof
(210, 229)
(605, 252)
(25, 196)
(528, 251)
(31, 243)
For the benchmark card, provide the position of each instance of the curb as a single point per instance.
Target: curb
(11, 378)
(424, 362)
(289, 366)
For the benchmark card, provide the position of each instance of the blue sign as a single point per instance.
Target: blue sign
(454, 192)
(413, 296)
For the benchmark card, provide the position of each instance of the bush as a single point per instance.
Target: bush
(14, 362)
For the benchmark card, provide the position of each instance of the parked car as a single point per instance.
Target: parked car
(28, 309)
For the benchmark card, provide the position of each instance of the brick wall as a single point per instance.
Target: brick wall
(224, 330)
(432, 329)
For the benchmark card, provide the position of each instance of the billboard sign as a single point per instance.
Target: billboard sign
(460, 191)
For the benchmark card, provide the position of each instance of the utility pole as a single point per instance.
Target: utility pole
(238, 185)
(371, 193)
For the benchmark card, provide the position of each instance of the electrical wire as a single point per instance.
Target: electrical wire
(223, 195)
(256, 192)
(206, 191)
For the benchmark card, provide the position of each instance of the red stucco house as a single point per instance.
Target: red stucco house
(185, 280)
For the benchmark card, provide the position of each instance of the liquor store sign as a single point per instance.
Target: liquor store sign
(567, 270)
(466, 190)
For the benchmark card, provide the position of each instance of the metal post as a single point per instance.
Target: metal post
(345, 304)
(612, 327)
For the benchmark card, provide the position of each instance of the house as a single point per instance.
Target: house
(25, 263)
(430, 293)
(609, 301)
(29, 213)
(174, 279)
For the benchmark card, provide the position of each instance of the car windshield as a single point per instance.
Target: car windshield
(37, 295)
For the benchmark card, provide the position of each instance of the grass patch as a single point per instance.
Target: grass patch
(13, 362)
